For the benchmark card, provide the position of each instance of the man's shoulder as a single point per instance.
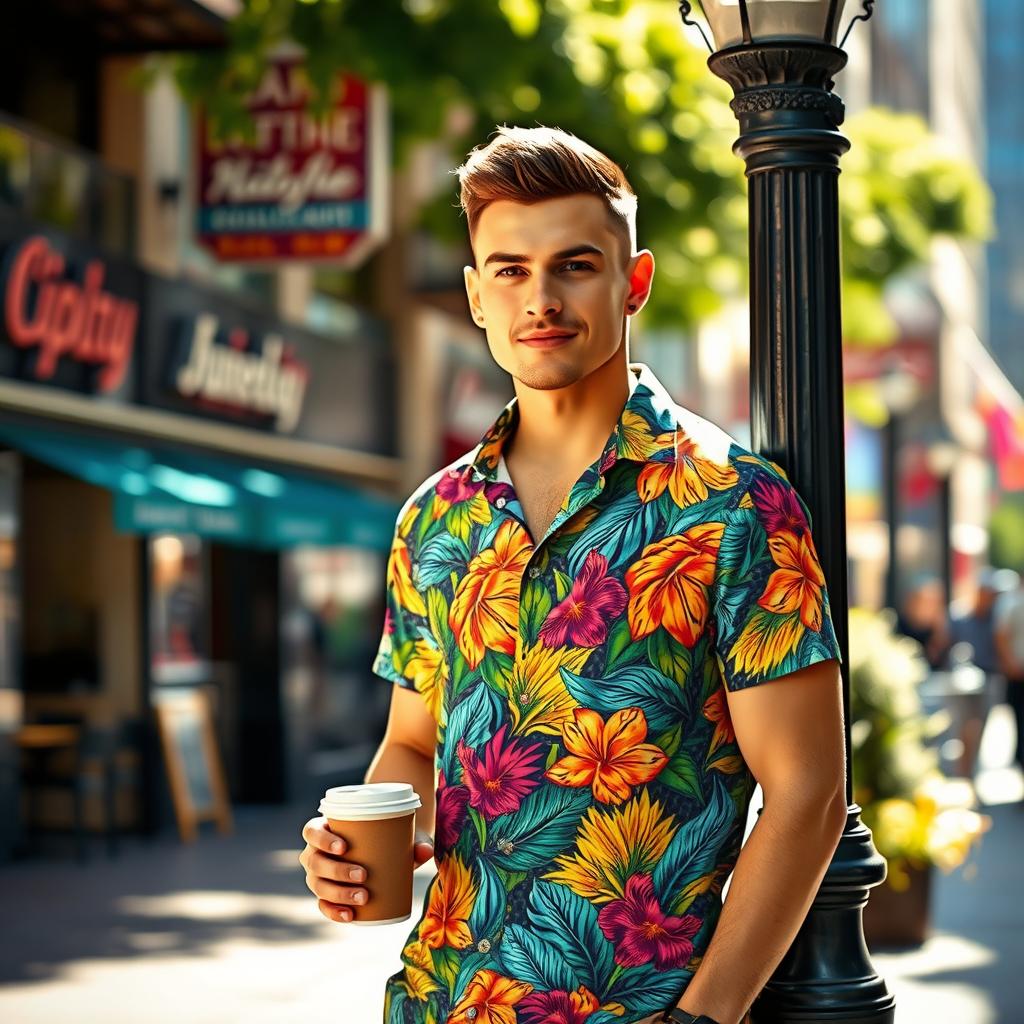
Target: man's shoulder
(449, 481)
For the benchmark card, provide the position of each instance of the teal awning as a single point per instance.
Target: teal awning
(159, 490)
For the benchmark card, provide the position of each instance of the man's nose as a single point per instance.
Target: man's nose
(544, 301)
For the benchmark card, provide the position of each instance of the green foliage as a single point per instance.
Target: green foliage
(621, 74)
(1006, 533)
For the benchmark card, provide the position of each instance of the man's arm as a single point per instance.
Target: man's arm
(790, 731)
(407, 752)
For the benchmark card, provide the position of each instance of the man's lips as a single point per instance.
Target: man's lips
(545, 339)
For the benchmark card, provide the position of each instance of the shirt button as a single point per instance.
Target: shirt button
(501, 503)
(534, 571)
(471, 1012)
(484, 945)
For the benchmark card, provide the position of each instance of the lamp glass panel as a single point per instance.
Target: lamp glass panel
(771, 19)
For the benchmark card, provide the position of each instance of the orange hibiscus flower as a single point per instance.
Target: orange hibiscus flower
(689, 478)
(668, 585)
(798, 581)
(451, 902)
(485, 608)
(610, 756)
(716, 709)
(492, 997)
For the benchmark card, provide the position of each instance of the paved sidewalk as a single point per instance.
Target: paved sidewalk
(226, 931)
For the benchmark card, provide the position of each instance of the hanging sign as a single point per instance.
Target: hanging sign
(306, 188)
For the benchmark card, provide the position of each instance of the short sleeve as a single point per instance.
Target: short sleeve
(770, 608)
(407, 654)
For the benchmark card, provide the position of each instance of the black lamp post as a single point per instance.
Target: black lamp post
(780, 57)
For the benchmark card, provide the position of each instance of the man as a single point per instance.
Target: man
(581, 611)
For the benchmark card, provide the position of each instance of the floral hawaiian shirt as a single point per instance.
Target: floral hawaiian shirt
(591, 795)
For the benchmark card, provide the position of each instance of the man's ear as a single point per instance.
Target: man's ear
(472, 278)
(641, 275)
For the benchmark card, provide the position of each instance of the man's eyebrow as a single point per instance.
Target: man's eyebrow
(563, 254)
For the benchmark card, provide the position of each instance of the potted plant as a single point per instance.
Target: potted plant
(919, 818)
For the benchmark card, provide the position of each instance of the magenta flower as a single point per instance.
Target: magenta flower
(779, 507)
(389, 622)
(451, 815)
(557, 1007)
(582, 619)
(507, 773)
(641, 932)
(499, 489)
(455, 486)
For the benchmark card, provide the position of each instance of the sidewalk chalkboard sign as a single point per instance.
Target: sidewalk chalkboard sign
(193, 763)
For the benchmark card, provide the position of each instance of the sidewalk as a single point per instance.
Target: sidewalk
(226, 931)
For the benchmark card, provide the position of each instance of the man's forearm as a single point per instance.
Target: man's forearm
(395, 762)
(777, 874)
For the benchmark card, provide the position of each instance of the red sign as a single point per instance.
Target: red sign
(305, 188)
(63, 317)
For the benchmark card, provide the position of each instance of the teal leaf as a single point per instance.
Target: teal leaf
(468, 966)
(618, 533)
(526, 957)
(473, 720)
(489, 908)
(442, 555)
(568, 923)
(647, 990)
(544, 826)
(636, 686)
(695, 846)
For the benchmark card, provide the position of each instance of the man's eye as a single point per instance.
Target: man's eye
(577, 265)
(509, 272)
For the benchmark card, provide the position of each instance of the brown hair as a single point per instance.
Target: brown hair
(526, 165)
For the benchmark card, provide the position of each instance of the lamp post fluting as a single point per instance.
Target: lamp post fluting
(780, 58)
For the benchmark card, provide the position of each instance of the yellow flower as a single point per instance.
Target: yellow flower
(428, 670)
(445, 922)
(765, 641)
(610, 846)
(419, 978)
(485, 609)
(797, 583)
(537, 698)
(400, 578)
(689, 477)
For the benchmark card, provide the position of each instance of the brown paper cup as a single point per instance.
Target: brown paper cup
(377, 820)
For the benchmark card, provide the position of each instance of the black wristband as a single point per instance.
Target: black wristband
(678, 1016)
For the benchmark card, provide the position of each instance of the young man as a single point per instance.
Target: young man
(581, 612)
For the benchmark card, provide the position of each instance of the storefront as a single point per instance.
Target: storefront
(192, 494)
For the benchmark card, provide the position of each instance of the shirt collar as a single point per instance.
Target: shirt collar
(645, 428)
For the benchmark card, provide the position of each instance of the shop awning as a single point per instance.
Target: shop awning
(159, 490)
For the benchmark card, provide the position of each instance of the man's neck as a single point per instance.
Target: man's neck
(568, 427)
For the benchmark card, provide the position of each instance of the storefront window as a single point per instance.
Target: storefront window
(178, 609)
(332, 615)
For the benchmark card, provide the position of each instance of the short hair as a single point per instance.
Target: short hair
(527, 165)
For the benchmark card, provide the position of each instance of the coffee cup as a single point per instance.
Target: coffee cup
(377, 820)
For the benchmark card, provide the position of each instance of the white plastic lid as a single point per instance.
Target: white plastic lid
(369, 800)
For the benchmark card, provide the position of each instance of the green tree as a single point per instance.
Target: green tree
(623, 75)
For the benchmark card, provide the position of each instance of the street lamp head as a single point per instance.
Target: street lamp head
(750, 22)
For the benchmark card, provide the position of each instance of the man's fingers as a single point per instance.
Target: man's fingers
(333, 912)
(318, 835)
(332, 892)
(325, 866)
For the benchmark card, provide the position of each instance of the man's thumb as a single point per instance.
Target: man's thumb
(423, 848)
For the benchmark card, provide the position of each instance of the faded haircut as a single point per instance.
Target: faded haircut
(527, 165)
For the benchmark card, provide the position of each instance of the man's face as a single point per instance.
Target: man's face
(552, 285)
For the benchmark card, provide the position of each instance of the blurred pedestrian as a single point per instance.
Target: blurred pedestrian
(923, 618)
(974, 625)
(1009, 640)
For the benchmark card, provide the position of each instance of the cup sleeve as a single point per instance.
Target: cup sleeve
(770, 607)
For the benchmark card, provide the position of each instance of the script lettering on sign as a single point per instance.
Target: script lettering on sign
(268, 382)
(63, 317)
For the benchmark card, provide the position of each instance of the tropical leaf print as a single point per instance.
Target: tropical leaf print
(489, 908)
(472, 721)
(524, 956)
(648, 990)
(640, 686)
(568, 923)
(617, 534)
(696, 843)
(544, 824)
(440, 557)
(538, 700)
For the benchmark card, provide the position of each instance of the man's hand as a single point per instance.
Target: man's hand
(335, 881)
